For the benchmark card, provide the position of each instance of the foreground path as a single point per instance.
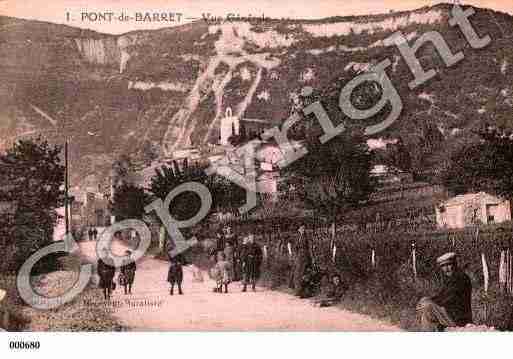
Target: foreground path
(150, 307)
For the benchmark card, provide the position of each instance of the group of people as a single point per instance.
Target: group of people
(305, 279)
(107, 271)
(235, 261)
(232, 261)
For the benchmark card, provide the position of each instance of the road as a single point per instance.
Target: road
(150, 307)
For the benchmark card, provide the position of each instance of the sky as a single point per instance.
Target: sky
(70, 11)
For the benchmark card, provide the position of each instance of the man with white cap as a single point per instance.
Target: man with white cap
(452, 306)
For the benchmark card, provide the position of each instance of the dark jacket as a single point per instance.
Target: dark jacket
(455, 297)
(128, 269)
(302, 263)
(251, 256)
(106, 271)
(175, 273)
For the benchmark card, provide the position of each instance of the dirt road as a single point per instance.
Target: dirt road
(150, 307)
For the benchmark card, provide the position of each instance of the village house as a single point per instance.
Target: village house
(472, 208)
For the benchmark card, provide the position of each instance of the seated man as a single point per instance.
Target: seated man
(331, 293)
(452, 306)
(309, 282)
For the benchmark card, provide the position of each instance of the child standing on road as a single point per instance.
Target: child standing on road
(175, 274)
(223, 272)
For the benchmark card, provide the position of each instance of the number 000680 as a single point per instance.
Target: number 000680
(24, 345)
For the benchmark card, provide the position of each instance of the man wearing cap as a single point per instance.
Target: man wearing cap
(451, 307)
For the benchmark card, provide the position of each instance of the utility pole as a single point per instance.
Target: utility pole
(66, 187)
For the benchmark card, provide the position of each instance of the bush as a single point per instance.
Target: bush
(389, 289)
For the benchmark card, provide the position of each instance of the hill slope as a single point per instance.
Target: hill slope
(169, 87)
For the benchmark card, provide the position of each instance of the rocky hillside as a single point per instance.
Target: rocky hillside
(169, 87)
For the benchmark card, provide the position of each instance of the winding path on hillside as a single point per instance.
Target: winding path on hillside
(150, 307)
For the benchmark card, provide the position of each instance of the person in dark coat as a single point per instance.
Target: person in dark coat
(90, 233)
(175, 274)
(106, 270)
(127, 270)
(452, 306)
(95, 234)
(233, 254)
(302, 263)
(251, 262)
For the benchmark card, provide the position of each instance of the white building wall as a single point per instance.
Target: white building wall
(458, 213)
(229, 123)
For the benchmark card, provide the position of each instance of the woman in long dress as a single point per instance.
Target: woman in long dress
(106, 271)
(128, 272)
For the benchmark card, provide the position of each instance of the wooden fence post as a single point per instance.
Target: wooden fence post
(414, 261)
(486, 279)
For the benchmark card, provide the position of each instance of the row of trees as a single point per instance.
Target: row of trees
(130, 199)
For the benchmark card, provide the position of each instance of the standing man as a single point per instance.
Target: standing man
(95, 233)
(230, 237)
(90, 233)
(232, 255)
(452, 307)
(302, 262)
(251, 261)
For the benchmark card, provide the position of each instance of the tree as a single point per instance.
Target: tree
(335, 176)
(483, 166)
(226, 195)
(167, 178)
(31, 179)
(129, 202)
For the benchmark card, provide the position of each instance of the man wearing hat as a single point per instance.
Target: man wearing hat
(302, 262)
(452, 306)
(251, 262)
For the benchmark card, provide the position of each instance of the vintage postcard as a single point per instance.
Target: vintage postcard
(256, 166)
